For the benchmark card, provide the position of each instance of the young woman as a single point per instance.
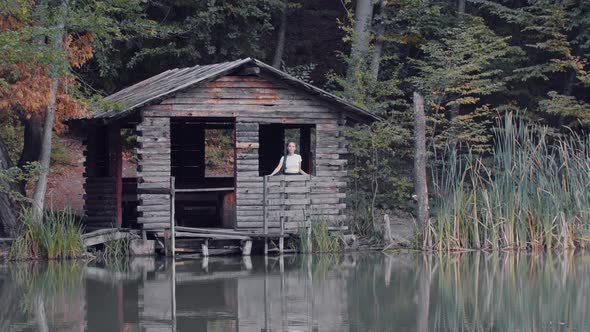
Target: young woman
(293, 162)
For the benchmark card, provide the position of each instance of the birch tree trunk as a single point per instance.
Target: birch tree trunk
(362, 34)
(420, 183)
(378, 47)
(280, 49)
(456, 108)
(45, 156)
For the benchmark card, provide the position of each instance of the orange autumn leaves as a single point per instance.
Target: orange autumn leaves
(26, 91)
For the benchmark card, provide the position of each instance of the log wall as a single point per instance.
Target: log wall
(250, 101)
(153, 171)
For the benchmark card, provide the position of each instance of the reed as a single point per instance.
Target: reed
(59, 236)
(321, 239)
(115, 249)
(533, 193)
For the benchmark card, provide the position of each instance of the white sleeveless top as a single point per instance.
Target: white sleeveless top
(293, 164)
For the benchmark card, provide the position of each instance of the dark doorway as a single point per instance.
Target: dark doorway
(203, 166)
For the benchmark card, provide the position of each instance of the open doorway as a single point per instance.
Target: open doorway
(202, 162)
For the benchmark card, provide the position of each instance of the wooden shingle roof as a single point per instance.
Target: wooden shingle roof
(165, 84)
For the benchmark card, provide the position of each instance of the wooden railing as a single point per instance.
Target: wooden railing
(286, 198)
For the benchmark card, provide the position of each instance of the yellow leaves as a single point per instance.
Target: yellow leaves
(29, 85)
(410, 39)
(79, 50)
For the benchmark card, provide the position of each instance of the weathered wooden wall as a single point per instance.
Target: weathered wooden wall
(153, 171)
(251, 101)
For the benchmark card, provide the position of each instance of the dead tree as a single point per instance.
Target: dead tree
(420, 184)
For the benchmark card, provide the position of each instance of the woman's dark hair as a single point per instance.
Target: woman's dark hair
(289, 142)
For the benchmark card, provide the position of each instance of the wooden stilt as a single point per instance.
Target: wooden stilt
(309, 248)
(247, 248)
(205, 264)
(205, 248)
(173, 295)
(172, 222)
(264, 213)
(247, 260)
(282, 238)
(167, 244)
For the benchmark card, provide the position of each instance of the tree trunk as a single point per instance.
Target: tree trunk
(280, 49)
(363, 17)
(420, 184)
(33, 138)
(41, 187)
(456, 108)
(461, 9)
(9, 209)
(378, 47)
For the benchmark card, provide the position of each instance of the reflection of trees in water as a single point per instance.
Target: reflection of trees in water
(512, 292)
(470, 292)
(43, 295)
(365, 292)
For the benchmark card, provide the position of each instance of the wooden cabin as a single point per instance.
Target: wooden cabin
(177, 115)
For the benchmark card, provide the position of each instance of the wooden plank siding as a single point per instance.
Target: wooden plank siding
(153, 171)
(251, 101)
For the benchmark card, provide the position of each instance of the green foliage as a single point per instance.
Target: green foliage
(302, 72)
(533, 194)
(188, 32)
(219, 152)
(571, 111)
(457, 70)
(11, 133)
(58, 236)
(15, 175)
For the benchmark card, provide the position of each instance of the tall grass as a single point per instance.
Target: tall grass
(115, 249)
(58, 236)
(533, 193)
(322, 241)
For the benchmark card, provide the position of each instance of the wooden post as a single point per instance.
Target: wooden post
(308, 215)
(309, 248)
(115, 168)
(264, 212)
(205, 248)
(247, 248)
(172, 222)
(387, 230)
(282, 236)
(173, 295)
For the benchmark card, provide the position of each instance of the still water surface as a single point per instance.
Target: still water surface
(360, 292)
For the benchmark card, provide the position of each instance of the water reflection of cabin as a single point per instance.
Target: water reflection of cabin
(174, 113)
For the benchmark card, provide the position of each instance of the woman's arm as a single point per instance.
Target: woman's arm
(278, 167)
(301, 169)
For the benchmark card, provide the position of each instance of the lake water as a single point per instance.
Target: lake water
(356, 292)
